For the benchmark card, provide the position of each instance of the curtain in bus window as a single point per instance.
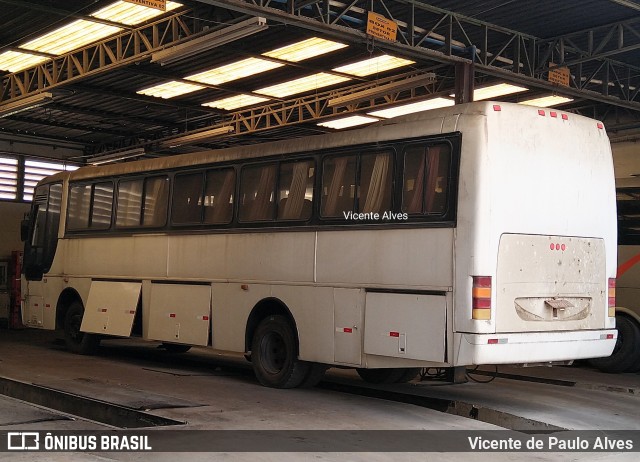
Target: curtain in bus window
(414, 163)
(156, 193)
(129, 203)
(375, 182)
(436, 190)
(296, 191)
(187, 198)
(338, 185)
(258, 187)
(218, 196)
(102, 205)
(79, 205)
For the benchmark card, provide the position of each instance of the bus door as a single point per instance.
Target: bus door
(40, 233)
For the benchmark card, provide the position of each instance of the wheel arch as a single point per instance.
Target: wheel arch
(66, 298)
(631, 314)
(268, 307)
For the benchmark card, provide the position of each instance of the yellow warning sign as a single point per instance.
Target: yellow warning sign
(380, 27)
(559, 75)
(157, 4)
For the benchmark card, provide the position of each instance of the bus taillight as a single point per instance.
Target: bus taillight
(481, 298)
(612, 297)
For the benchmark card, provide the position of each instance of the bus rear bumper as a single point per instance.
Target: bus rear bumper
(533, 347)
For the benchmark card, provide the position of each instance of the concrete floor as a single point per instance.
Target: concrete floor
(208, 392)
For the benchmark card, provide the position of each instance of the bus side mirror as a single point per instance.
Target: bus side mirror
(24, 230)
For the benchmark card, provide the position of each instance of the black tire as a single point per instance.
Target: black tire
(382, 376)
(76, 341)
(315, 375)
(274, 354)
(176, 347)
(625, 352)
(410, 373)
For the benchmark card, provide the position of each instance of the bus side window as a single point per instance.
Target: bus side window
(130, 211)
(101, 205)
(425, 182)
(218, 196)
(375, 183)
(79, 205)
(338, 185)
(295, 191)
(156, 195)
(257, 193)
(186, 206)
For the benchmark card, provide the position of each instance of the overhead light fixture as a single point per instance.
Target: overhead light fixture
(234, 71)
(170, 89)
(30, 102)
(130, 13)
(405, 109)
(546, 101)
(495, 91)
(373, 65)
(117, 156)
(197, 137)
(309, 48)
(302, 85)
(15, 61)
(381, 90)
(347, 122)
(235, 102)
(70, 37)
(209, 41)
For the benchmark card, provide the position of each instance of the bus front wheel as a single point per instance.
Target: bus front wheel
(274, 354)
(76, 341)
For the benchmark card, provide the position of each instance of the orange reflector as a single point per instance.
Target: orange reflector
(600, 125)
(553, 114)
(541, 112)
(496, 107)
(565, 117)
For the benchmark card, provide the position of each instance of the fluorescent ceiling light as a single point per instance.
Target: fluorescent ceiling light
(13, 107)
(198, 137)
(71, 36)
(235, 102)
(301, 85)
(546, 101)
(170, 89)
(425, 105)
(14, 61)
(309, 48)
(373, 65)
(209, 41)
(234, 71)
(117, 156)
(381, 90)
(347, 122)
(494, 91)
(130, 13)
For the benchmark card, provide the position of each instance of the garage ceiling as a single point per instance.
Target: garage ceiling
(94, 102)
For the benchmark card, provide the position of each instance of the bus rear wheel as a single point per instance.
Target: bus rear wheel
(274, 354)
(176, 347)
(382, 376)
(76, 341)
(626, 351)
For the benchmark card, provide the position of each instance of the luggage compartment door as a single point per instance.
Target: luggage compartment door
(111, 308)
(410, 326)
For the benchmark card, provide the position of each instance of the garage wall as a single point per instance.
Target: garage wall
(626, 158)
(11, 215)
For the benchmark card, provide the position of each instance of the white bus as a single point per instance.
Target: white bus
(477, 234)
(626, 354)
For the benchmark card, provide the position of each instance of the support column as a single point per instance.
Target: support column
(464, 83)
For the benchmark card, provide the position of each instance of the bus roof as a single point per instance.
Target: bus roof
(410, 126)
